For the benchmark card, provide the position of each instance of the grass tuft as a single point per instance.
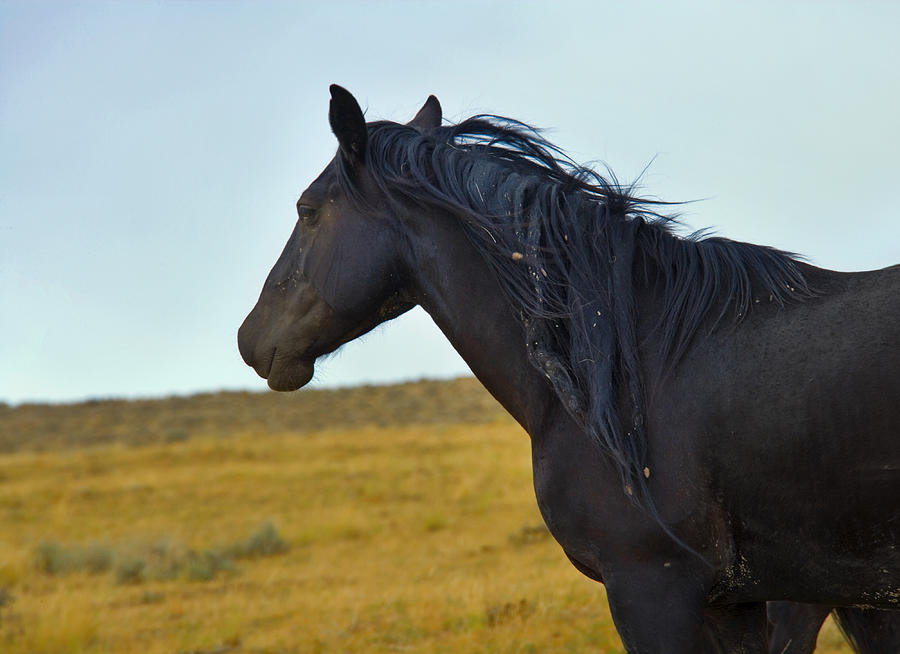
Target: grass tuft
(130, 570)
(264, 541)
(205, 565)
(54, 559)
(156, 560)
(530, 534)
(509, 611)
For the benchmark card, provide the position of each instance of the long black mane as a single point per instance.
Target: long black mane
(565, 243)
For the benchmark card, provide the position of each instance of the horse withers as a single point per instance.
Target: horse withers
(714, 424)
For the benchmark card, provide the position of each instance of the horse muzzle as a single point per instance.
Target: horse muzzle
(276, 356)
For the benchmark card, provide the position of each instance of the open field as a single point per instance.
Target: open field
(413, 533)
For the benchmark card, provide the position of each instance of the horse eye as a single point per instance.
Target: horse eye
(306, 213)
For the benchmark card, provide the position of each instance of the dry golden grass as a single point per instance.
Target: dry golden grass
(413, 538)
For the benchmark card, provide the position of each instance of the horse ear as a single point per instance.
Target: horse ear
(348, 124)
(429, 115)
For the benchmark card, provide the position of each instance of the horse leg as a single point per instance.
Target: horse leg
(666, 614)
(655, 614)
(736, 629)
(794, 626)
(870, 631)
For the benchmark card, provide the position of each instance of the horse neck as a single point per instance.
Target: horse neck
(458, 289)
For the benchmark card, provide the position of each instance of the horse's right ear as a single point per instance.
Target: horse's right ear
(348, 124)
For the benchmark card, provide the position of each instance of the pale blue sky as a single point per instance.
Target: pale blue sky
(151, 152)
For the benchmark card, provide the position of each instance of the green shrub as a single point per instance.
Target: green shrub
(54, 559)
(264, 541)
(96, 558)
(157, 560)
(49, 558)
(130, 570)
(204, 566)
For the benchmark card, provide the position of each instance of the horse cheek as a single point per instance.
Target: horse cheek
(354, 276)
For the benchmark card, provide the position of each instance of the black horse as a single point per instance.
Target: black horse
(713, 424)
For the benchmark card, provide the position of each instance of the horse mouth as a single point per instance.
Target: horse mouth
(289, 373)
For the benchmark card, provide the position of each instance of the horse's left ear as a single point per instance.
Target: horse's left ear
(348, 124)
(429, 115)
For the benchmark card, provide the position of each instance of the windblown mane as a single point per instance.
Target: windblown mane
(563, 242)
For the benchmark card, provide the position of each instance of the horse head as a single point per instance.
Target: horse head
(342, 271)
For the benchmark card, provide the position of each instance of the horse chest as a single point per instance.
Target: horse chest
(581, 499)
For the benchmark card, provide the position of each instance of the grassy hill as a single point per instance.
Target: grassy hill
(43, 427)
(386, 519)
